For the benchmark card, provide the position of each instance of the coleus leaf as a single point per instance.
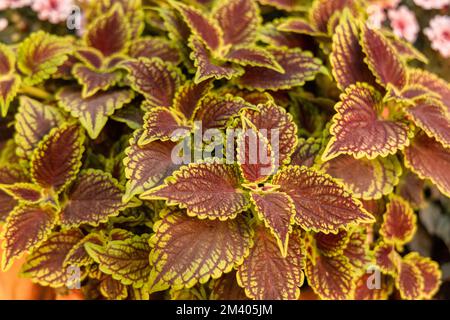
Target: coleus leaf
(277, 210)
(26, 228)
(120, 234)
(174, 24)
(429, 271)
(93, 112)
(94, 80)
(347, 57)
(161, 123)
(46, 264)
(431, 82)
(382, 59)
(280, 129)
(188, 250)
(253, 56)
(429, 160)
(40, 55)
(322, 11)
(227, 288)
(306, 152)
(138, 293)
(134, 13)
(94, 272)
(147, 166)
(189, 95)
(330, 244)
(25, 192)
(132, 116)
(255, 157)
(334, 21)
(266, 274)
(368, 179)
(432, 117)
(125, 260)
(201, 25)
(330, 277)
(253, 97)
(195, 293)
(9, 175)
(298, 25)
(404, 48)
(9, 81)
(90, 57)
(409, 281)
(7, 145)
(33, 121)
(156, 80)
(178, 32)
(269, 34)
(386, 258)
(57, 158)
(287, 5)
(109, 33)
(413, 92)
(357, 250)
(411, 188)
(238, 29)
(375, 207)
(361, 128)
(215, 111)
(155, 47)
(209, 67)
(78, 255)
(7, 60)
(207, 190)
(93, 198)
(9, 87)
(399, 223)
(299, 66)
(321, 203)
(112, 289)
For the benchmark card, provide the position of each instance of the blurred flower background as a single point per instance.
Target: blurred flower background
(20, 17)
(423, 23)
(426, 25)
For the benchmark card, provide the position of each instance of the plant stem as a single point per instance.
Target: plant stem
(36, 93)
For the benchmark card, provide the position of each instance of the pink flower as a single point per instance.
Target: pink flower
(439, 34)
(54, 11)
(404, 23)
(13, 4)
(432, 4)
(376, 16)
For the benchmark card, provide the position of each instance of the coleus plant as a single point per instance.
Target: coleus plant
(105, 184)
